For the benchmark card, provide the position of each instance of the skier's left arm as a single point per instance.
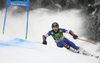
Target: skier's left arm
(70, 32)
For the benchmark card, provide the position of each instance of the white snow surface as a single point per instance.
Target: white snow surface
(15, 49)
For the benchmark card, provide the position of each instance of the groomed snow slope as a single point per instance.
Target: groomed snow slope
(18, 50)
(23, 51)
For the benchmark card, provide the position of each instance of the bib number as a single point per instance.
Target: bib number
(57, 40)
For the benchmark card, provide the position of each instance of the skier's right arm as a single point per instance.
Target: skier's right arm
(45, 36)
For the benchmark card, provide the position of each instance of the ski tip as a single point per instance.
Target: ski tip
(97, 57)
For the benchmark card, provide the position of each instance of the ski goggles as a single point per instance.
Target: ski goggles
(55, 28)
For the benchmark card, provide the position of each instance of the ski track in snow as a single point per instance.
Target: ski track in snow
(18, 50)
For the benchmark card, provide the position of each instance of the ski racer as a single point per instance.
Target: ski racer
(62, 41)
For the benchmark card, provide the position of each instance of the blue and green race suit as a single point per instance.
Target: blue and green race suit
(60, 39)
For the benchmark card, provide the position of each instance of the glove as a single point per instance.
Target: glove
(75, 36)
(44, 42)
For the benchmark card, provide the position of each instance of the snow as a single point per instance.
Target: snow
(15, 49)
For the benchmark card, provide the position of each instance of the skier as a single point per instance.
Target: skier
(62, 41)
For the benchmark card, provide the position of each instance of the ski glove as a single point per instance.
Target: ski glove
(44, 42)
(75, 36)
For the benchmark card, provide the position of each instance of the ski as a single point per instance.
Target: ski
(83, 52)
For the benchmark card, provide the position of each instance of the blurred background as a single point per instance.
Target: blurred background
(90, 12)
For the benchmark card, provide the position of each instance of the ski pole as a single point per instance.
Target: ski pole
(87, 41)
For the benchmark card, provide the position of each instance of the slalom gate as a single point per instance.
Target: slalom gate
(23, 3)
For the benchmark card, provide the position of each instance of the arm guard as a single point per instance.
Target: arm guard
(70, 32)
(44, 38)
(74, 36)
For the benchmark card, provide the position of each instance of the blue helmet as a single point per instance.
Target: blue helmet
(55, 24)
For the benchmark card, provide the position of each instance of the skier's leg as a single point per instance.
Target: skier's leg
(71, 44)
(63, 44)
(78, 49)
(60, 44)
